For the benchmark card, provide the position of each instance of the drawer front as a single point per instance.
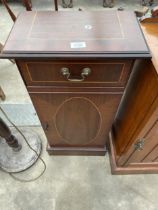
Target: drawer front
(75, 73)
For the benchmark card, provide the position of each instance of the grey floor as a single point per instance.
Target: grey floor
(69, 183)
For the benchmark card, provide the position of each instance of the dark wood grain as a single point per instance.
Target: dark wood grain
(76, 119)
(150, 31)
(56, 5)
(139, 168)
(148, 152)
(2, 95)
(12, 15)
(28, 4)
(79, 151)
(110, 73)
(138, 116)
(76, 116)
(149, 134)
(132, 111)
(6, 133)
(101, 32)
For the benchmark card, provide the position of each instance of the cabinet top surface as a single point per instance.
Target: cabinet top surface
(107, 32)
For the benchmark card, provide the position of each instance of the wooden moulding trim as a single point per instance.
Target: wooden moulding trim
(79, 92)
(135, 169)
(90, 151)
(55, 89)
(74, 55)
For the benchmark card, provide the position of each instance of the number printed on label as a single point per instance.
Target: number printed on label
(78, 44)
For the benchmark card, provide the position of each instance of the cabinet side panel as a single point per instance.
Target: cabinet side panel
(148, 152)
(135, 106)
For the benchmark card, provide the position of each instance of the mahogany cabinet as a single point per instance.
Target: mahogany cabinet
(75, 66)
(76, 115)
(134, 137)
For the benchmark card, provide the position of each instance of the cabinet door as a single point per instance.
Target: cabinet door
(76, 119)
(144, 150)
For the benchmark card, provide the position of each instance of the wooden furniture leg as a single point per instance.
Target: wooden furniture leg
(1, 47)
(108, 3)
(2, 95)
(27, 4)
(56, 5)
(149, 2)
(67, 5)
(7, 135)
(13, 17)
(19, 156)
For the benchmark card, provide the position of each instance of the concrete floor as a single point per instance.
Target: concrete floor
(69, 183)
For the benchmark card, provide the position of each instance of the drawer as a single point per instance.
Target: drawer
(75, 73)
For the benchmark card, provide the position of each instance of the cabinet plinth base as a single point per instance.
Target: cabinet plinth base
(139, 168)
(76, 151)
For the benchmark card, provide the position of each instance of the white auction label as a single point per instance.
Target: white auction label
(88, 27)
(78, 44)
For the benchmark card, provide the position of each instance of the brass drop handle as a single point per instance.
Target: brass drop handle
(66, 73)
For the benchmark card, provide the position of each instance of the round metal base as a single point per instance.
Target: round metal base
(16, 161)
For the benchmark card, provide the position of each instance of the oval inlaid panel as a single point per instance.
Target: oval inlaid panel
(78, 121)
